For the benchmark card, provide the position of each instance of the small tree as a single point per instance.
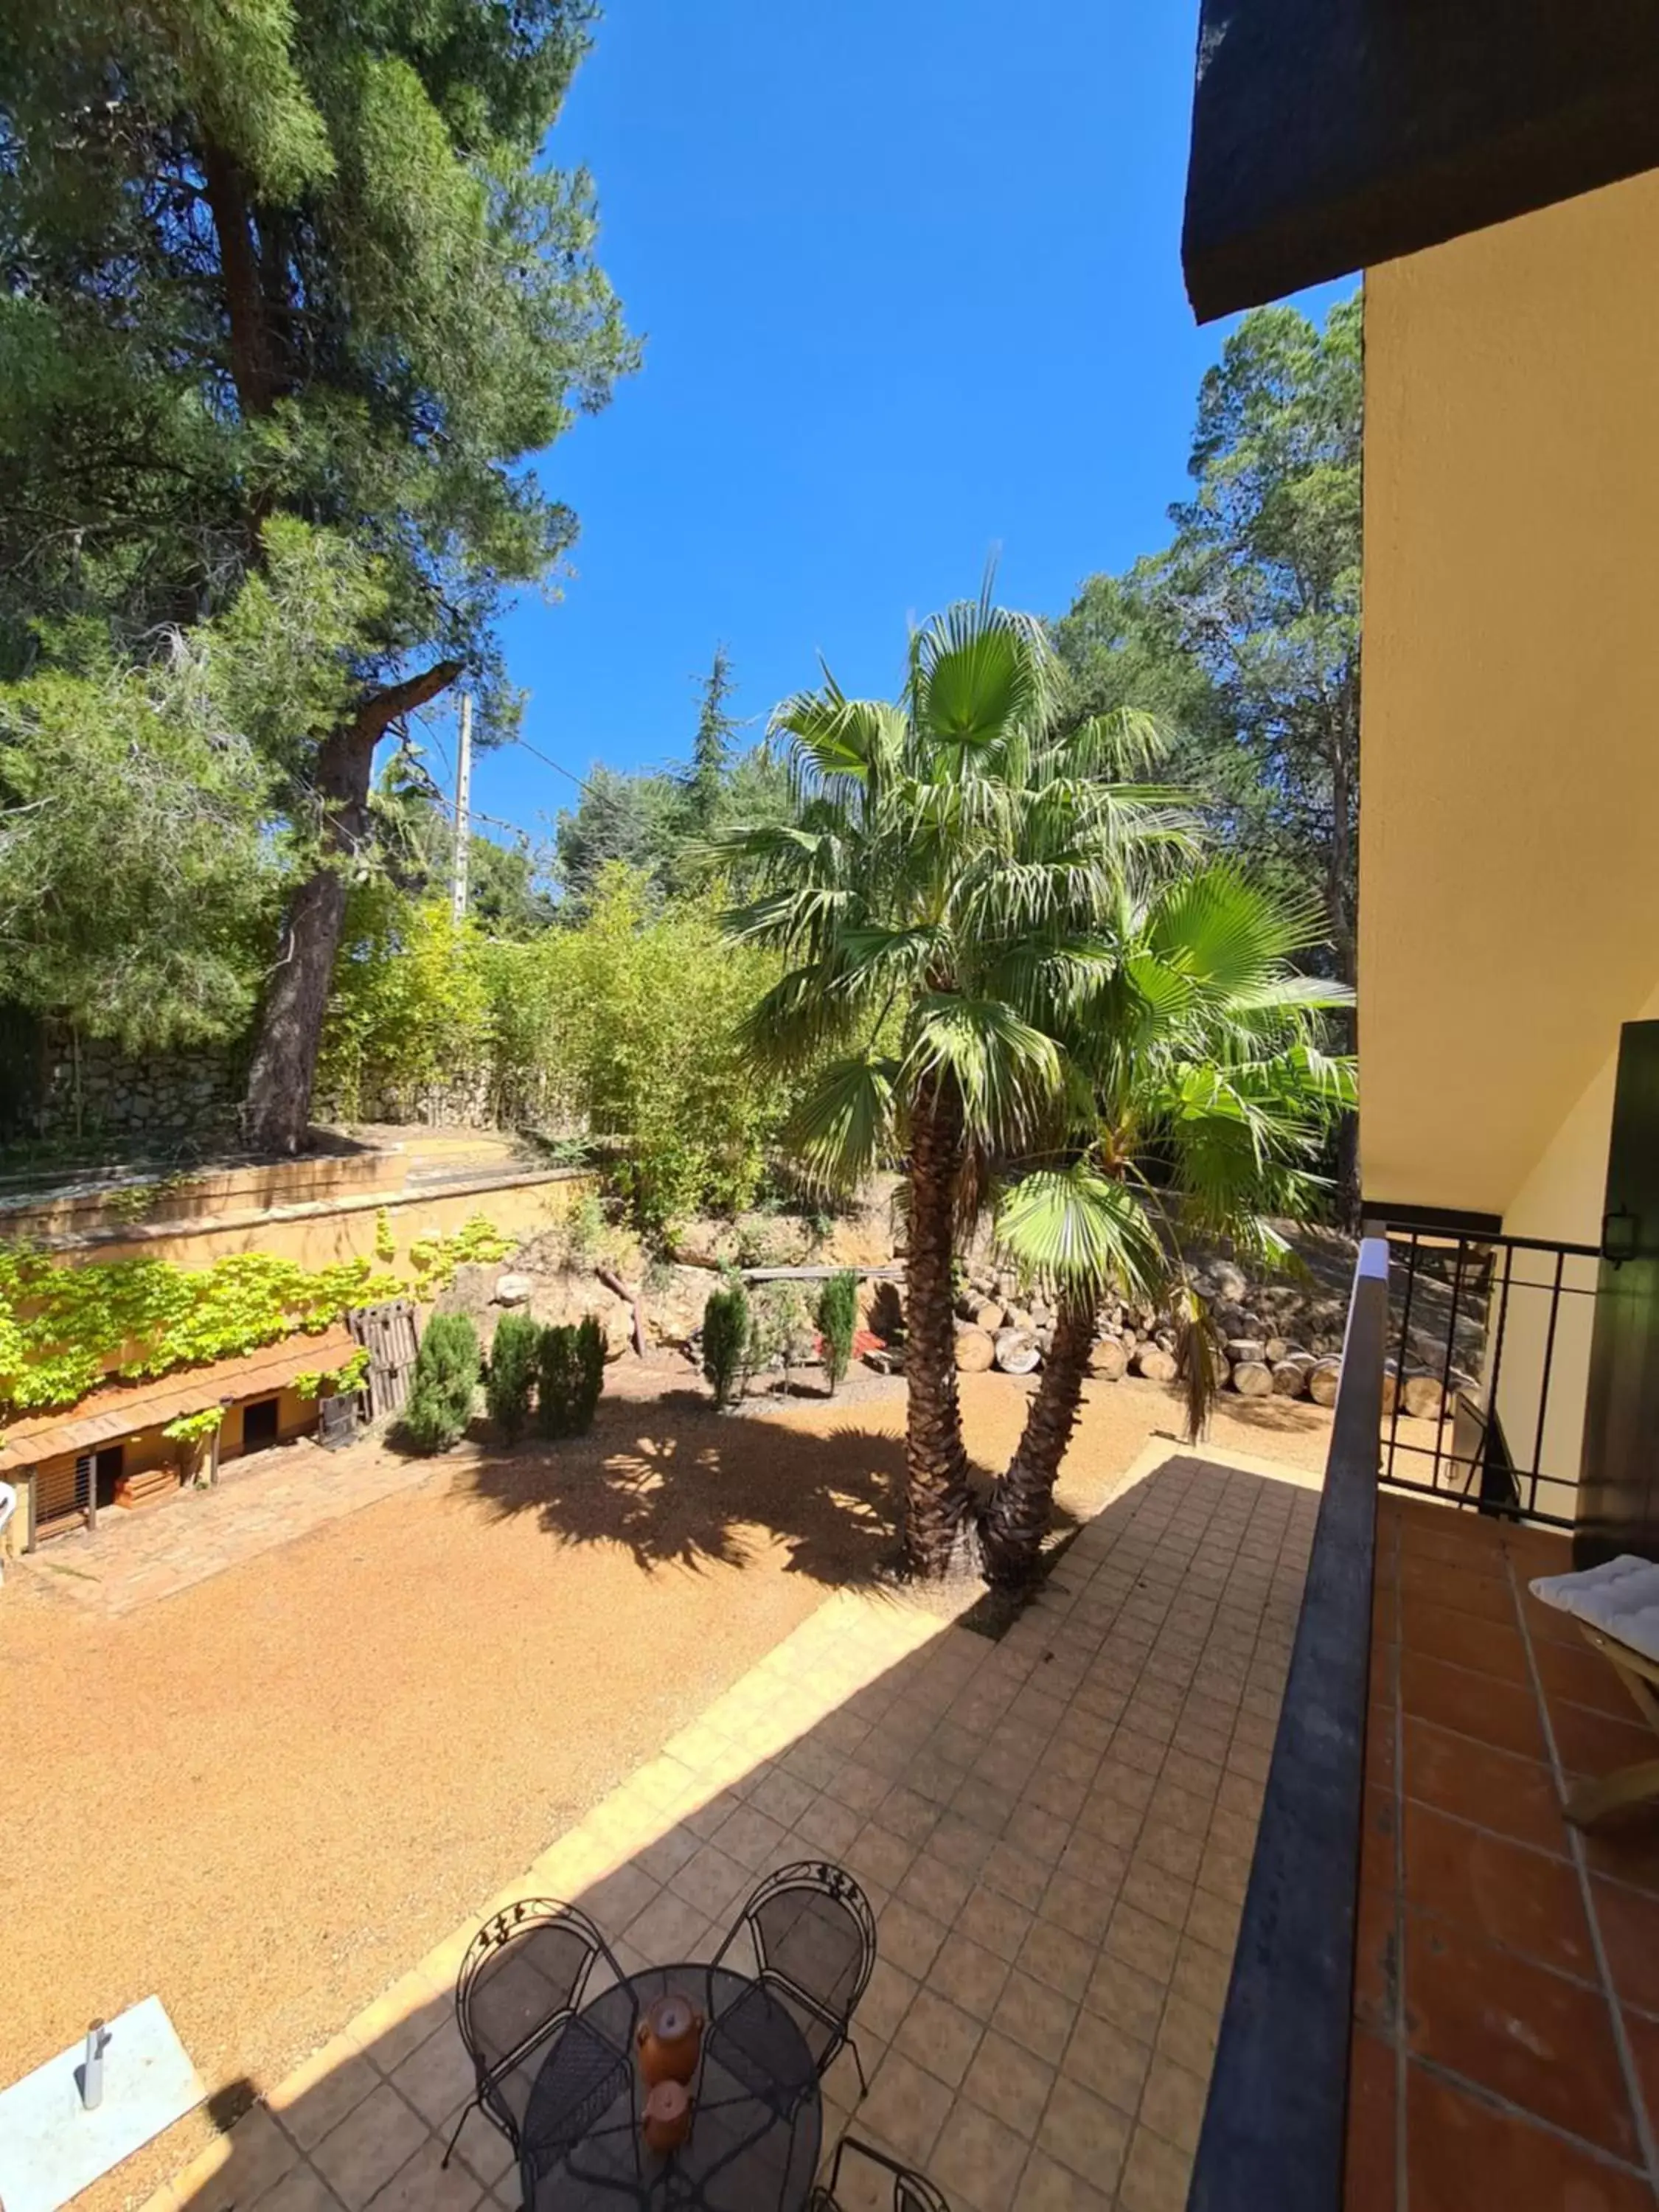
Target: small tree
(571, 1376)
(724, 1338)
(446, 1375)
(838, 1321)
(512, 1361)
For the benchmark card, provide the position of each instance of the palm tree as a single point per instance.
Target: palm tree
(940, 901)
(1207, 1099)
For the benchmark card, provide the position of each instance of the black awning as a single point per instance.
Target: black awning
(1329, 135)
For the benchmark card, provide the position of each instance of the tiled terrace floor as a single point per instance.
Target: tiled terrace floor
(1506, 2048)
(1054, 1830)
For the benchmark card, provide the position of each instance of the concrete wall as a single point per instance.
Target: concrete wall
(1508, 886)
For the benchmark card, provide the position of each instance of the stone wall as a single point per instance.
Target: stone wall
(89, 1087)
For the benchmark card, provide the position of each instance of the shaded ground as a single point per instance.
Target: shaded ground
(262, 1797)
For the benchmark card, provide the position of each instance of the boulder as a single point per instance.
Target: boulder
(976, 1350)
(513, 1290)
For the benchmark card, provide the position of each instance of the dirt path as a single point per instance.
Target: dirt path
(262, 1798)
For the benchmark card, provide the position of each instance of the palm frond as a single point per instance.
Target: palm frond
(1007, 1073)
(846, 1126)
(1075, 1230)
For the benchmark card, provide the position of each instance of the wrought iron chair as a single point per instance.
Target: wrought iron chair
(520, 1984)
(912, 2191)
(814, 1937)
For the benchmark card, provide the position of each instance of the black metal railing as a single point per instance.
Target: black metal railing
(1275, 2122)
(1484, 1388)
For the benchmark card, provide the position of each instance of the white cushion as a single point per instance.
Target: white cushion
(1620, 1597)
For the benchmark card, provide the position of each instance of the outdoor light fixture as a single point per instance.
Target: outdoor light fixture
(1618, 1236)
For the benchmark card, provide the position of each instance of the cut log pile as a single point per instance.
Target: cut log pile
(1281, 1340)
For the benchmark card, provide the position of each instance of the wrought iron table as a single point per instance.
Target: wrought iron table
(755, 2120)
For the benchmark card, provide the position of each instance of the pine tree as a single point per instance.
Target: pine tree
(711, 749)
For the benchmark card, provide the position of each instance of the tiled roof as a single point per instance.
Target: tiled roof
(125, 1407)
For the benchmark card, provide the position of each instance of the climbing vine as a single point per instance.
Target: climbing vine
(350, 1374)
(65, 1329)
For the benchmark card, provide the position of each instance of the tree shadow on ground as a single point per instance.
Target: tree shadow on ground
(681, 1486)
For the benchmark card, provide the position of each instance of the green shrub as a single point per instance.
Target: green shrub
(724, 1338)
(446, 1374)
(512, 1362)
(570, 1376)
(838, 1321)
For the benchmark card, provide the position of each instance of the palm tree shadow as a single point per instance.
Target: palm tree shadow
(678, 1485)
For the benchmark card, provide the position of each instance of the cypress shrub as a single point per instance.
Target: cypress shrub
(724, 1338)
(570, 1376)
(838, 1321)
(512, 1377)
(441, 1392)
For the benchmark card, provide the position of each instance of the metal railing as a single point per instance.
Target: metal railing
(1484, 1388)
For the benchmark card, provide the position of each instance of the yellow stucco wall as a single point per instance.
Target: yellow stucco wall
(1509, 752)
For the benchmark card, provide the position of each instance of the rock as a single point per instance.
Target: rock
(513, 1290)
(1324, 1381)
(1016, 1352)
(977, 1351)
(1108, 1359)
(674, 1299)
(1253, 1379)
(1155, 1364)
(1290, 1377)
(571, 1294)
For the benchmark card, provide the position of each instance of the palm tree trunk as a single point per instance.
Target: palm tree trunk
(1016, 1516)
(937, 1499)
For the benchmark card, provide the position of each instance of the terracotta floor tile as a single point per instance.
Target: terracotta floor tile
(1629, 1929)
(1501, 1714)
(1574, 1671)
(1643, 2035)
(1596, 1743)
(1464, 2154)
(1519, 1897)
(1430, 1583)
(1628, 1851)
(1376, 1960)
(1548, 1624)
(1528, 2035)
(1467, 1639)
(1368, 2184)
(1516, 1796)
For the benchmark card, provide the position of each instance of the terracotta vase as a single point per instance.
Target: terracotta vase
(667, 2118)
(670, 2040)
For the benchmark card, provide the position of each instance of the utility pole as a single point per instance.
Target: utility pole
(463, 813)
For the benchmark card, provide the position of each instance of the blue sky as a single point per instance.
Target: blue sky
(907, 274)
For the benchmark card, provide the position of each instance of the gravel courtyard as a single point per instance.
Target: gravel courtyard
(261, 1797)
